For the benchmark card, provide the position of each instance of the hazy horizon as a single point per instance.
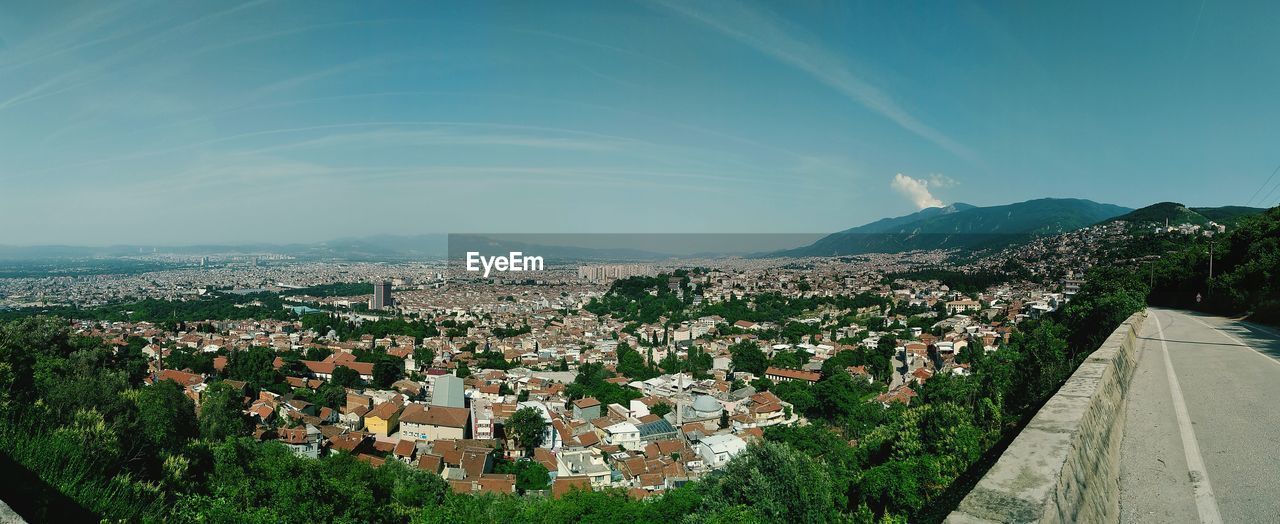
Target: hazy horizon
(139, 122)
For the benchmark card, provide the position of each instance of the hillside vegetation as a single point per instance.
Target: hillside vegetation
(1246, 272)
(962, 226)
(1176, 214)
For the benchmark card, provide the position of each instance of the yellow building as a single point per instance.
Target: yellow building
(383, 420)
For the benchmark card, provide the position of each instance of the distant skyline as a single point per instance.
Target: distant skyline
(161, 123)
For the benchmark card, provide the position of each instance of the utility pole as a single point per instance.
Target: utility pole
(1211, 266)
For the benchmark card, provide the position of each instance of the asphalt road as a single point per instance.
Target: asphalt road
(1202, 433)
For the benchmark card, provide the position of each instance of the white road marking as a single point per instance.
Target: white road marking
(1236, 340)
(1206, 504)
(1251, 325)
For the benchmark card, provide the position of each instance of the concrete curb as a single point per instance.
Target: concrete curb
(1065, 465)
(8, 516)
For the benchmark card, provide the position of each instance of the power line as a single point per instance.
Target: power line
(1267, 198)
(1264, 185)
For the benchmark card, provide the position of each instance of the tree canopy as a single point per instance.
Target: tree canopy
(527, 427)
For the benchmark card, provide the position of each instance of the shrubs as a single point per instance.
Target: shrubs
(778, 483)
(1246, 268)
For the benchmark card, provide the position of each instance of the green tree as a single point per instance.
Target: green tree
(255, 365)
(331, 395)
(789, 359)
(747, 356)
(22, 343)
(660, 409)
(386, 372)
(837, 395)
(131, 358)
(424, 356)
(318, 354)
(631, 363)
(798, 394)
(778, 483)
(526, 427)
(880, 363)
(191, 359)
(166, 416)
(222, 413)
(699, 363)
(531, 475)
(345, 377)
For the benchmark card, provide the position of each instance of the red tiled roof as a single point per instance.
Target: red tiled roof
(447, 417)
(430, 463)
(347, 442)
(475, 462)
(181, 377)
(384, 411)
(589, 439)
(794, 374)
(292, 435)
(326, 368)
(404, 448)
(414, 414)
(372, 460)
(545, 457)
(564, 485)
(493, 483)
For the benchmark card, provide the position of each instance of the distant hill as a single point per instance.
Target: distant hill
(963, 226)
(1228, 215)
(890, 225)
(1174, 212)
(1178, 214)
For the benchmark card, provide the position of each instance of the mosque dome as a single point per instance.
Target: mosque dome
(705, 405)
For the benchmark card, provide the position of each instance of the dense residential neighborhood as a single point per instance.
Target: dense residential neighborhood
(713, 262)
(657, 385)
(682, 397)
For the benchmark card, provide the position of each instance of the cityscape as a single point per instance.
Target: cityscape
(268, 261)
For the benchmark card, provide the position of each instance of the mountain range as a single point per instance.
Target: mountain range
(957, 226)
(964, 226)
(1177, 214)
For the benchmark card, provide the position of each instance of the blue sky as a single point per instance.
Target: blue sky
(275, 120)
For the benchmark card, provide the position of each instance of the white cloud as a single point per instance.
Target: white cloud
(941, 181)
(917, 191)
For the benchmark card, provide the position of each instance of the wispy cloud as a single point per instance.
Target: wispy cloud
(760, 31)
(235, 173)
(440, 137)
(87, 74)
(66, 37)
(414, 134)
(300, 30)
(593, 44)
(942, 181)
(917, 191)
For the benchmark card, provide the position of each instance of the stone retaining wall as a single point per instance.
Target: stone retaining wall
(1065, 465)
